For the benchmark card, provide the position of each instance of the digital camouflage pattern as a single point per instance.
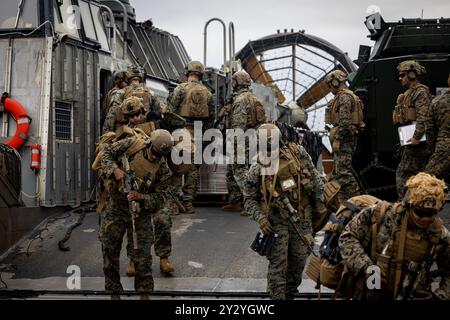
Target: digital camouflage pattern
(115, 102)
(288, 254)
(356, 238)
(344, 144)
(439, 164)
(414, 158)
(234, 192)
(191, 179)
(116, 219)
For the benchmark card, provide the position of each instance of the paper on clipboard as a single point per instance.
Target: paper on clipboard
(405, 133)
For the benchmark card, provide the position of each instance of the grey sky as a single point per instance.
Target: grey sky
(340, 21)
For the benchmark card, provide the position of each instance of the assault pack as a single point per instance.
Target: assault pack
(328, 269)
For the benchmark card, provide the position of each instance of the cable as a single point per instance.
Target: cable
(30, 33)
(5, 285)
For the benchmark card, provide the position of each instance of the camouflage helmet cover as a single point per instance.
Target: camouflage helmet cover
(339, 75)
(425, 192)
(411, 66)
(132, 105)
(161, 141)
(134, 73)
(195, 66)
(120, 76)
(242, 79)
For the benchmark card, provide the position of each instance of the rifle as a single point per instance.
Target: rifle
(177, 201)
(294, 220)
(416, 275)
(133, 206)
(329, 248)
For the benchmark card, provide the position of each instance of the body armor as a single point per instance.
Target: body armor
(195, 102)
(141, 92)
(357, 110)
(405, 111)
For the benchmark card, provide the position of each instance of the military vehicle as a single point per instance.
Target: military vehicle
(59, 59)
(376, 82)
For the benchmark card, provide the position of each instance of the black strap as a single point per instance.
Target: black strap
(4, 96)
(351, 206)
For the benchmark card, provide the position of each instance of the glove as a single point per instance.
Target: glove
(265, 226)
(336, 145)
(153, 115)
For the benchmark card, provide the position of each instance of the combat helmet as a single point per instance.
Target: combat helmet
(335, 78)
(425, 193)
(411, 66)
(132, 105)
(161, 142)
(134, 73)
(242, 79)
(195, 66)
(120, 76)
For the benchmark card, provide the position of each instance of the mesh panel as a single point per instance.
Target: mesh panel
(63, 121)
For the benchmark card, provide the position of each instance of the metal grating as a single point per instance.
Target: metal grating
(63, 121)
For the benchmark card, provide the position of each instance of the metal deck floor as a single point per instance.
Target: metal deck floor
(210, 253)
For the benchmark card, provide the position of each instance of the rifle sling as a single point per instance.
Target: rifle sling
(401, 239)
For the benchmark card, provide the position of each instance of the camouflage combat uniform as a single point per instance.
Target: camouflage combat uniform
(415, 157)
(439, 164)
(288, 254)
(240, 108)
(345, 138)
(115, 101)
(175, 102)
(116, 220)
(355, 243)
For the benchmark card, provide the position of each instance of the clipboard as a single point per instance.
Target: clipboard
(405, 133)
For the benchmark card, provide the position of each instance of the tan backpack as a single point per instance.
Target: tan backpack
(329, 273)
(195, 102)
(256, 114)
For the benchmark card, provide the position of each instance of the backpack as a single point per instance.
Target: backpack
(328, 268)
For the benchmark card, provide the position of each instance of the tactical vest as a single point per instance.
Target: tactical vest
(195, 101)
(329, 273)
(256, 114)
(405, 112)
(291, 174)
(357, 117)
(144, 169)
(140, 92)
(107, 101)
(406, 245)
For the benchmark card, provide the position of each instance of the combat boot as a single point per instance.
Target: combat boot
(165, 266)
(143, 295)
(115, 297)
(130, 269)
(233, 206)
(189, 207)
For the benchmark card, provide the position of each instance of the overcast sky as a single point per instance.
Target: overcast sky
(340, 21)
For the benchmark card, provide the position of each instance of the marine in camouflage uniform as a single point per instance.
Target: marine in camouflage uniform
(288, 254)
(135, 78)
(193, 101)
(439, 164)
(413, 106)
(120, 82)
(117, 219)
(344, 134)
(242, 102)
(414, 223)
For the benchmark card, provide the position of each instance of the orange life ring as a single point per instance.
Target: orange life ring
(21, 117)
